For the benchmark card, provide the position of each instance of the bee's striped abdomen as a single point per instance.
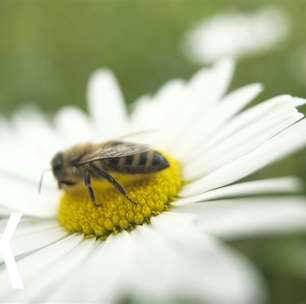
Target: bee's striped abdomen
(146, 162)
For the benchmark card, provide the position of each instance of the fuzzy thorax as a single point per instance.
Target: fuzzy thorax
(152, 193)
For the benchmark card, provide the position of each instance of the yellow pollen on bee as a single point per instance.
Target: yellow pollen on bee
(153, 193)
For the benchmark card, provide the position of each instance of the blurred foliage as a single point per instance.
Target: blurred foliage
(48, 49)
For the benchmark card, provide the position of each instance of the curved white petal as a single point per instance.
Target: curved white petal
(28, 224)
(106, 103)
(107, 262)
(31, 127)
(205, 90)
(200, 130)
(168, 260)
(35, 264)
(20, 194)
(36, 236)
(27, 146)
(205, 264)
(73, 126)
(273, 185)
(144, 115)
(210, 85)
(236, 218)
(236, 34)
(59, 260)
(272, 115)
(273, 150)
(240, 144)
(250, 116)
(159, 114)
(177, 104)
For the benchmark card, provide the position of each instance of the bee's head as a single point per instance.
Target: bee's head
(61, 172)
(57, 164)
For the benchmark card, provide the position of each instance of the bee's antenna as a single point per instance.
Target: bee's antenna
(41, 179)
(136, 133)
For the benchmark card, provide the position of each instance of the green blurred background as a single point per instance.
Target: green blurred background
(48, 49)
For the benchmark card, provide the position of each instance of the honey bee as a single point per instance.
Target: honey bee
(84, 162)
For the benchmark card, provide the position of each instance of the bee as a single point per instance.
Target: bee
(84, 162)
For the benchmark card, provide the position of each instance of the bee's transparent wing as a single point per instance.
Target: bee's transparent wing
(114, 149)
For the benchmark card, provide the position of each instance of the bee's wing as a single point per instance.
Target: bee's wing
(114, 150)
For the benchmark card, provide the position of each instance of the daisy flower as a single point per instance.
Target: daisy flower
(170, 245)
(236, 34)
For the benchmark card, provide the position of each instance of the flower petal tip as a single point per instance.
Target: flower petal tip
(298, 101)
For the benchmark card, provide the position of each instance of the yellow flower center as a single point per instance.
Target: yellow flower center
(152, 193)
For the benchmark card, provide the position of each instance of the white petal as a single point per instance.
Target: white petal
(173, 252)
(177, 104)
(26, 150)
(250, 116)
(236, 34)
(147, 255)
(205, 91)
(144, 114)
(107, 263)
(25, 153)
(33, 128)
(210, 85)
(274, 185)
(28, 146)
(73, 126)
(58, 263)
(22, 195)
(106, 104)
(298, 102)
(279, 146)
(37, 236)
(36, 263)
(206, 125)
(28, 224)
(204, 264)
(160, 116)
(249, 217)
(240, 143)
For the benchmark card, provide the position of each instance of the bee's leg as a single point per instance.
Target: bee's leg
(88, 185)
(115, 183)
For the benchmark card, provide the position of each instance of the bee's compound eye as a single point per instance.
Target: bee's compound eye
(57, 164)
